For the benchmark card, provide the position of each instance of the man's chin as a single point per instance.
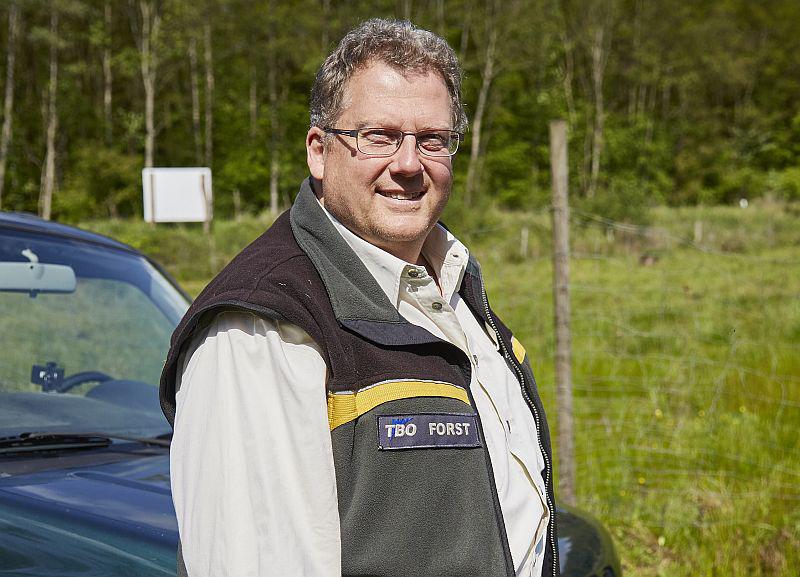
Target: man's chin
(400, 237)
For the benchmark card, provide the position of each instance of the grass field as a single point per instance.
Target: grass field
(686, 368)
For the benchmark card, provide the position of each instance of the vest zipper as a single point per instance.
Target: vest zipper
(521, 377)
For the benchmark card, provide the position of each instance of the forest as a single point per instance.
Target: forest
(668, 102)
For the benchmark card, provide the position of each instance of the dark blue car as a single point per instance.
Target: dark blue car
(84, 448)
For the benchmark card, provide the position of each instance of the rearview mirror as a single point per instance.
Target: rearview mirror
(36, 277)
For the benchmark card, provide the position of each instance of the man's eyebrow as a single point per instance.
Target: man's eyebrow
(372, 124)
(367, 123)
(358, 124)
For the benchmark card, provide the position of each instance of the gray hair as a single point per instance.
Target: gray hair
(399, 44)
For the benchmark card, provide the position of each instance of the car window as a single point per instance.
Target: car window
(88, 359)
(108, 326)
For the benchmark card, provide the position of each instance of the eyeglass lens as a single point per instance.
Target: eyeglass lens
(383, 141)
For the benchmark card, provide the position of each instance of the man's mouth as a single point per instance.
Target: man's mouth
(402, 194)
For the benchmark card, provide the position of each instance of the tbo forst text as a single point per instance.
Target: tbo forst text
(434, 428)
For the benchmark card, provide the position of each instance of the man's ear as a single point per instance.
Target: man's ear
(315, 152)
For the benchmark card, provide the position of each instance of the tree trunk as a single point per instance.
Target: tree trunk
(569, 71)
(407, 9)
(195, 89)
(107, 74)
(599, 58)
(568, 45)
(253, 102)
(464, 44)
(650, 115)
(48, 182)
(274, 164)
(146, 40)
(666, 92)
(440, 28)
(586, 164)
(237, 205)
(209, 116)
(326, 26)
(636, 84)
(8, 103)
(477, 120)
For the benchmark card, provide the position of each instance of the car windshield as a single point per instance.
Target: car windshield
(84, 331)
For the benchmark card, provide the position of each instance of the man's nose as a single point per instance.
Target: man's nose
(406, 160)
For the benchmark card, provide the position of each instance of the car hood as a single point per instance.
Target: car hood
(88, 519)
(110, 512)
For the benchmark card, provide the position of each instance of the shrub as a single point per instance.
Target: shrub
(102, 183)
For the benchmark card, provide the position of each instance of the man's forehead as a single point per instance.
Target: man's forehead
(410, 74)
(374, 116)
(404, 71)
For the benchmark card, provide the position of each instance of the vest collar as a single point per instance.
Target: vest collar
(358, 301)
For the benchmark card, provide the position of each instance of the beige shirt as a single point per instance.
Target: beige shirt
(252, 386)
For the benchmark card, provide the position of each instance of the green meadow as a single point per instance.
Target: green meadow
(686, 367)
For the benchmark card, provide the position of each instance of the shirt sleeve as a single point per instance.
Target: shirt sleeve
(251, 462)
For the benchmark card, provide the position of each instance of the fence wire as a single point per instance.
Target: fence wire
(686, 381)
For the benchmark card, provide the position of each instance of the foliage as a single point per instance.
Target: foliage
(105, 183)
(699, 100)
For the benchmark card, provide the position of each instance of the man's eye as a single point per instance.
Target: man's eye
(433, 140)
(379, 137)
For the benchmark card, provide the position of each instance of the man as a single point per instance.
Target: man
(347, 403)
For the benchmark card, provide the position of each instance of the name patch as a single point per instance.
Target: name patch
(428, 431)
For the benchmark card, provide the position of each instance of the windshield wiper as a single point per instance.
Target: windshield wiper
(42, 441)
(25, 442)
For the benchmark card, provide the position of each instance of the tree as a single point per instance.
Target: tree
(208, 60)
(194, 82)
(599, 52)
(48, 182)
(677, 101)
(145, 19)
(487, 76)
(108, 79)
(8, 102)
(272, 87)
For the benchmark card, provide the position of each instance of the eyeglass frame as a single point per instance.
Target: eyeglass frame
(355, 132)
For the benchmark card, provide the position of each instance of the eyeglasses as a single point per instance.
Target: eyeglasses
(387, 141)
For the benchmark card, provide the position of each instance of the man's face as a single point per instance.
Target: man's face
(391, 202)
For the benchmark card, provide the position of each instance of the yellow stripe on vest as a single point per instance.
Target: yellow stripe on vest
(345, 407)
(519, 350)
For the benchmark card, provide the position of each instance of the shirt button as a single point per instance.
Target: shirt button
(436, 306)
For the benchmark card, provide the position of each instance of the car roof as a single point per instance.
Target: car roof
(31, 223)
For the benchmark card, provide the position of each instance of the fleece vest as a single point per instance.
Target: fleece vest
(414, 479)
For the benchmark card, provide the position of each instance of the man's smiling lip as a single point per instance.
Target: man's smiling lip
(401, 194)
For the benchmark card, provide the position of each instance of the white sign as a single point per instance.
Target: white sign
(177, 194)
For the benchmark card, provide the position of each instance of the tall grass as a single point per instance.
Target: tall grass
(686, 368)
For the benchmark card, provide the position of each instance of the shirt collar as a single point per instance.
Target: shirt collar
(446, 254)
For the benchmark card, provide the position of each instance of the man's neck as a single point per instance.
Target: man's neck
(411, 253)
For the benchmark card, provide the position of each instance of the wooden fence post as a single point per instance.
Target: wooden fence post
(698, 231)
(563, 361)
(524, 233)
